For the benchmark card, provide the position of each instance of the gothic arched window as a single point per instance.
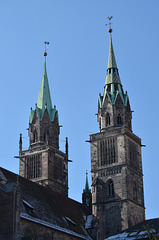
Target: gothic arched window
(44, 136)
(35, 136)
(107, 119)
(110, 187)
(119, 119)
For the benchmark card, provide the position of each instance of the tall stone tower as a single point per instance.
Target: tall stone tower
(43, 162)
(116, 165)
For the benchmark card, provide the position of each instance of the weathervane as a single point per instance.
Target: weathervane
(45, 53)
(109, 18)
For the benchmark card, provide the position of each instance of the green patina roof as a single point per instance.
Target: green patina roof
(111, 61)
(113, 86)
(113, 97)
(44, 99)
(112, 70)
(86, 185)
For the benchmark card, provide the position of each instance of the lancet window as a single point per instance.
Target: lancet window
(119, 119)
(107, 119)
(44, 136)
(110, 188)
(133, 155)
(107, 151)
(34, 166)
(35, 136)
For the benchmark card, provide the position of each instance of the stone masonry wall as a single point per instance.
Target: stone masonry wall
(40, 232)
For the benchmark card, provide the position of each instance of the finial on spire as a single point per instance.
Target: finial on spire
(45, 53)
(110, 29)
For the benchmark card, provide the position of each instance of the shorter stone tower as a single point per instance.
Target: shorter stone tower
(116, 165)
(43, 162)
(87, 195)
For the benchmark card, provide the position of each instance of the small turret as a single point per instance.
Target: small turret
(66, 147)
(87, 195)
(20, 143)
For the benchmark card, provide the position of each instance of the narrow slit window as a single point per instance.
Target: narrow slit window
(107, 119)
(119, 122)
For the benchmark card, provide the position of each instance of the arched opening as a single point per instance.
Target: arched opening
(119, 122)
(35, 136)
(107, 119)
(110, 187)
(44, 136)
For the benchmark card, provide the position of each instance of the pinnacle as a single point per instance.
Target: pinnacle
(44, 98)
(86, 185)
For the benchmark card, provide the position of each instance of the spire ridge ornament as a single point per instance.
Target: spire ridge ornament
(110, 29)
(45, 53)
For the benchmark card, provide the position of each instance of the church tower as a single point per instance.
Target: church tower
(116, 165)
(43, 162)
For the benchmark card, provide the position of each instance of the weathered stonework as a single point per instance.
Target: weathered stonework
(116, 165)
(43, 162)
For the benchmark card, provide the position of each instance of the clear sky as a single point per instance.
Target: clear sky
(76, 65)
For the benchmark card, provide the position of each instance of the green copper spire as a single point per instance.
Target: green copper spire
(44, 98)
(112, 70)
(86, 185)
(111, 61)
(113, 86)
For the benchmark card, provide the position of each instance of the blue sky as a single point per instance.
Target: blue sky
(76, 65)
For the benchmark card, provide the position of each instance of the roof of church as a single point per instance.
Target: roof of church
(44, 206)
(44, 99)
(148, 229)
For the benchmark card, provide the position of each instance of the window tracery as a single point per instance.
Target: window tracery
(107, 152)
(34, 166)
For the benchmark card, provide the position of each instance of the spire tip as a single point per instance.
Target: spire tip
(45, 53)
(110, 29)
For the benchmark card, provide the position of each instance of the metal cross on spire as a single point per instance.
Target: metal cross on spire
(109, 18)
(45, 53)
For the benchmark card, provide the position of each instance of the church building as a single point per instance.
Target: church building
(35, 203)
